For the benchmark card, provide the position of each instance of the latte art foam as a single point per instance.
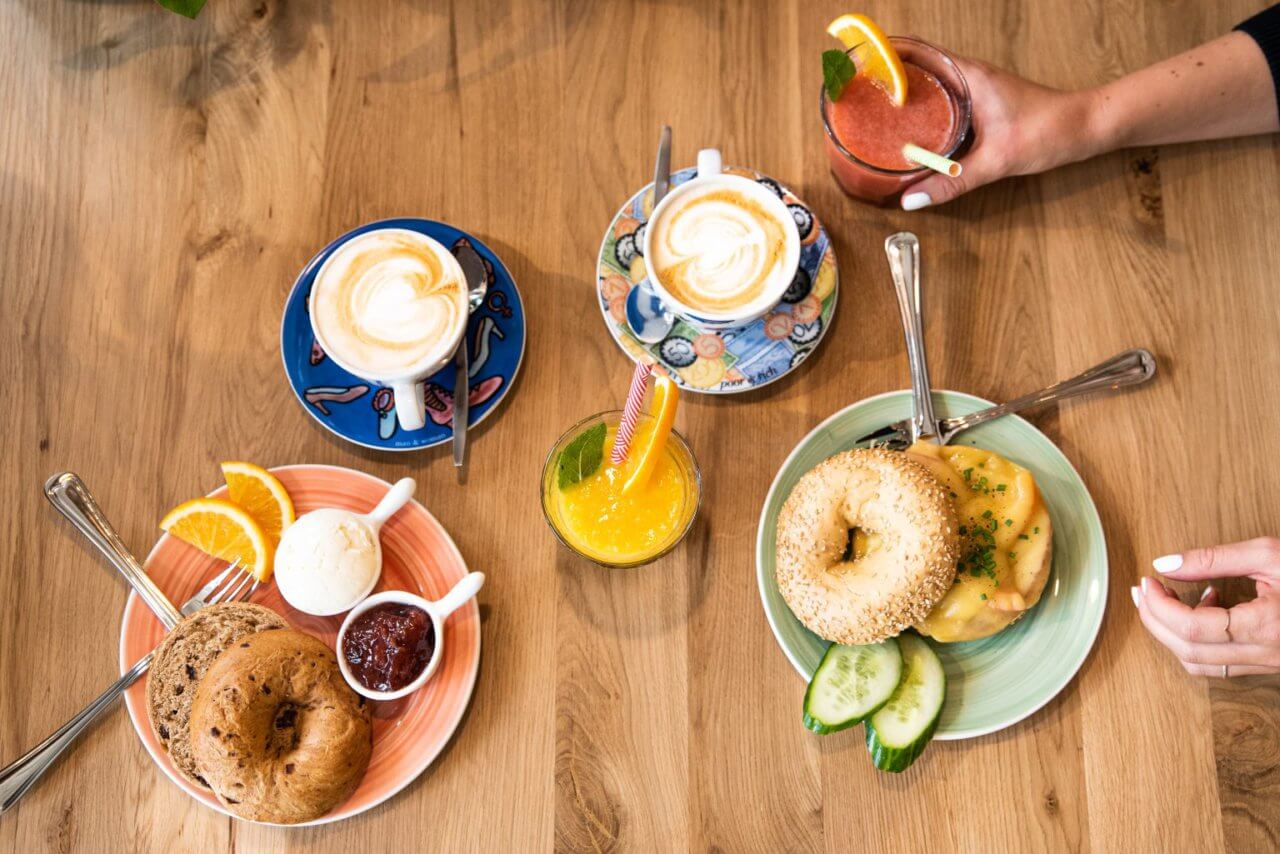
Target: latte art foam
(718, 250)
(387, 302)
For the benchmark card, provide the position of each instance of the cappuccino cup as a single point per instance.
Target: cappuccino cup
(390, 306)
(721, 249)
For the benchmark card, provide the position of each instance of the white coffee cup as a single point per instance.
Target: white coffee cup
(780, 263)
(390, 306)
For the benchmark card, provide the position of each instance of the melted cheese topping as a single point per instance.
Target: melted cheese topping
(1007, 541)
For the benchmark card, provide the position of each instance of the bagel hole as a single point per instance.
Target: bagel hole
(286, 716)
(284, 730)
(858, 544)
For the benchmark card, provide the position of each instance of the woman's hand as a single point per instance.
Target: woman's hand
(1219, 89)
(1019, 128)
(1213, 641)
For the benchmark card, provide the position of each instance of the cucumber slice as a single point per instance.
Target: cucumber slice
(899, 732)
(850, 683)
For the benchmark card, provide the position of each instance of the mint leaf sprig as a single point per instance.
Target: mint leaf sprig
(837, 70)
(581, 457)
(189, 8)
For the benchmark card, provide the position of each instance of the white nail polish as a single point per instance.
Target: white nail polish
(916, 201)
(1208, 591)
(1146, 585)
(1137, 597)
(1168, 563)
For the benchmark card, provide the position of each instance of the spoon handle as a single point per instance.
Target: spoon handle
(460, 594)
(1130, 368)
(903, 251)
(397, 496)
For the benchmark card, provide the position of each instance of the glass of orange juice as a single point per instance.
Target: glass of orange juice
(584, 503)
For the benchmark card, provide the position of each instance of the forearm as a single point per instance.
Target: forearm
(1220, 89)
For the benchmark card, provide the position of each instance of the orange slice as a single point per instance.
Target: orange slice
(649, 447)
(223, 530)
(873, 54)
(262, 494)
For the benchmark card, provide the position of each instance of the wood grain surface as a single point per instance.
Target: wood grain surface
(162, 181)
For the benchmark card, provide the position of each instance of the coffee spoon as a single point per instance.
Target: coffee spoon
(646, 315)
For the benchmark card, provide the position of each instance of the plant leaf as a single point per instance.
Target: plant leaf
(837, 70)
(581, 457)
(189, 8)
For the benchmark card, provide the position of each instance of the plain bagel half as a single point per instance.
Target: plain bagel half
(908, 516)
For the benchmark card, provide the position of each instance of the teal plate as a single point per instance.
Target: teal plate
(995, 682)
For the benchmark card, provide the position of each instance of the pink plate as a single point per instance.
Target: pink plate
(418, 556)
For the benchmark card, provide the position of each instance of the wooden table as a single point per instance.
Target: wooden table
(162, 182)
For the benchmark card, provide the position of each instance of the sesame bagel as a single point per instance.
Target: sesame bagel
(910, 529)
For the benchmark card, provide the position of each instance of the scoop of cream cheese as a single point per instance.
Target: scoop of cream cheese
(327, 562)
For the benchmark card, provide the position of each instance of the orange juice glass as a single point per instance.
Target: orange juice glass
(594, 519)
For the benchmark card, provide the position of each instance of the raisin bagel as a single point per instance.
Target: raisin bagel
(277, 732)
(908, 523)
(180, 663)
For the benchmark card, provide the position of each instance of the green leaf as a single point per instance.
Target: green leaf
(190, 8)
(837, 71)
(581, 457)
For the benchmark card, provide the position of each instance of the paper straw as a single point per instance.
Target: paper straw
(932, 160)
(630, 414)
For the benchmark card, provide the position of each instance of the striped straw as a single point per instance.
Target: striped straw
(630, 414)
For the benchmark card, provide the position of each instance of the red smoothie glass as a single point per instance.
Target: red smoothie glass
(865, 130)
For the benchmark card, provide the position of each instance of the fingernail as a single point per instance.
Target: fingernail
(916, 201)
(1146, 585)
(1137, 597)
(1168, 563)
(1208, 591)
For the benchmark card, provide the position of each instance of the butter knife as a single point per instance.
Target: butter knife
(477, 276)
(903, 251)
(70, 497)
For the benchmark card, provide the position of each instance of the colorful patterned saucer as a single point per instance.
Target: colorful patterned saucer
(739, 359)
(364, 413)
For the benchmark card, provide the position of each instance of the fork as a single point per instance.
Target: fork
(230, 585)
(1130, 368)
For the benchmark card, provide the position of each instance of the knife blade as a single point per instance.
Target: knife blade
(477, 283)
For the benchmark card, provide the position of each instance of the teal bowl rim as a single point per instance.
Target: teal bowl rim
(1092, 509)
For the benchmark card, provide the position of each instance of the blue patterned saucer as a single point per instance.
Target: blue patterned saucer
(364, 413)
(732, 360)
